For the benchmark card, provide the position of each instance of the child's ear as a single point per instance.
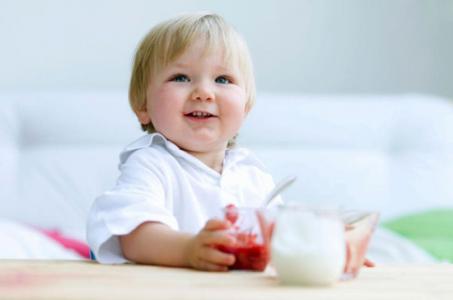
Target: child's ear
(143, 116)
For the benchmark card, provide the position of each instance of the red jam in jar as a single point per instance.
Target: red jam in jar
(251, 251)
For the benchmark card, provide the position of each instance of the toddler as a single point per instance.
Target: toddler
(191, 88)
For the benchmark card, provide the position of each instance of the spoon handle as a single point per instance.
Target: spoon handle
(282, 185)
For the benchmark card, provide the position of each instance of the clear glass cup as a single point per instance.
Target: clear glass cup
(252, 230)
(308, 246)
(359, 228)
(343, 235)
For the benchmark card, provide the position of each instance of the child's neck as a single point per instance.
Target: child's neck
(213, 159)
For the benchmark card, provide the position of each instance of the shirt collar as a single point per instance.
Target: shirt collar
(143, 142)
(232, 156)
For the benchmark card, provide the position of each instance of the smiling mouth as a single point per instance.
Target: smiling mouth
(199, 115)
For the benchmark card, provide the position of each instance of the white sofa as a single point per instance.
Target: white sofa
(394, 154)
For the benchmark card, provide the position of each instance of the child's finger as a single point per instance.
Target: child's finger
(217, 257)
(216, 224)
(209, 266)
(217, 238)
(368, 263)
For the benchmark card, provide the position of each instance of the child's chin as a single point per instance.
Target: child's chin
(202, 143)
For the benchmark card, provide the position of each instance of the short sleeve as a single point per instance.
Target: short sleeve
(138, 197)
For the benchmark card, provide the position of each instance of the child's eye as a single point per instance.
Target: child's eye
(180, 78)
(222, 80)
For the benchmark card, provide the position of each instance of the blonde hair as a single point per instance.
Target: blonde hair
(169, 39)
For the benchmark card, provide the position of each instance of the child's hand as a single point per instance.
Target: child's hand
(202, 253)
(355, 260)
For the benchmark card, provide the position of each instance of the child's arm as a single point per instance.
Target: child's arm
(157, 244)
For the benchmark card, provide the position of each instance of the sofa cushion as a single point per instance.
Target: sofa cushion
(393, 154)
(59, 150)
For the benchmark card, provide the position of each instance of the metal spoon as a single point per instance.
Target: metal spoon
(286, 182)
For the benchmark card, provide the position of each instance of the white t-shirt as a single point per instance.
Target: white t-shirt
(161, 183)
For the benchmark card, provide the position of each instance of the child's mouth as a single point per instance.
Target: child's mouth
(200, 115)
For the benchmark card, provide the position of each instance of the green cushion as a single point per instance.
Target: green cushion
(431, 230)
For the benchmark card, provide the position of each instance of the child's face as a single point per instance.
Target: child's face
(197, 101)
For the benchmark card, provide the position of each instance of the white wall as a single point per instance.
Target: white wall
(310, 46)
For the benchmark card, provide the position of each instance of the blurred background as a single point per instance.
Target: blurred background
(308, 46)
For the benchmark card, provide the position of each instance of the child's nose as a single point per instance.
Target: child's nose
(203, 92)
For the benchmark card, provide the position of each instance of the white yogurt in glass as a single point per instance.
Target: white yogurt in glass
(308, 246)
